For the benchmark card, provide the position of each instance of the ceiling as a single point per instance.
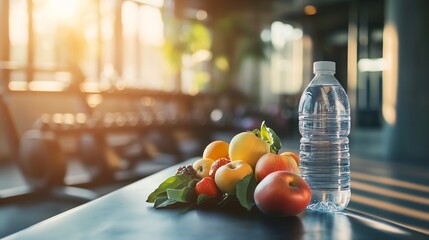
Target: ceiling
(332, 17)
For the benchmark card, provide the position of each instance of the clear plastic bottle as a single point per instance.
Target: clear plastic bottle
(324, 123)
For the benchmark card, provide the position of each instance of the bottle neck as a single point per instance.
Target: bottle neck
(324, 78)
(318, 73)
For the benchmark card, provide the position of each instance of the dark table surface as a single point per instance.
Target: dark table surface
(124, 214)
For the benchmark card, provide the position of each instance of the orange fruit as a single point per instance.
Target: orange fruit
(292, 154)
(216, 149)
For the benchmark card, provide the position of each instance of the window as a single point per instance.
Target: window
(287, 59)
(61, 45)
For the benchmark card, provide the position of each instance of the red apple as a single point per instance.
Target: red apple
(271, 162)
(282, 193)
(293, 155)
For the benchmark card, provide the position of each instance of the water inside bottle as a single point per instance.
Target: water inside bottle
(324, 123)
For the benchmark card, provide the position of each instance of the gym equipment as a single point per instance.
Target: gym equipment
(41, 159)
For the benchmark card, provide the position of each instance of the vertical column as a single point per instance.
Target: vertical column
(12, 135)
(30, 56)
(4, 42)
(138, 47)
(352, 56)
(99, 38)
(118, 37)
(406, 80)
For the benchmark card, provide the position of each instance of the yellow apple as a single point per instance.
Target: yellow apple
(247, 147)
(202, 167)
(230, 174)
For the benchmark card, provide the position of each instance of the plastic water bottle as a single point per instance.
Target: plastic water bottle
(324, 123)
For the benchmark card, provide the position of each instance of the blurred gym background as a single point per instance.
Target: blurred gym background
(96, 94)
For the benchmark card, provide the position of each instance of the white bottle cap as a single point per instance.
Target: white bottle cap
(323, 66)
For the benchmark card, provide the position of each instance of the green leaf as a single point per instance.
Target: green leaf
(183, 195)
(268, 135)
(174, 182)
(265, 135)
(276, 145)
(192, 183)
(202, 198)
(163, 201)
(245, 189)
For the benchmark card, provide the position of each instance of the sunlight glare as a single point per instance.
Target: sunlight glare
(129, 19)
(390, 73)
(51, 86)
(151, 26)
(17, 85)
(18, 23)
(67, 11)
(154, 3)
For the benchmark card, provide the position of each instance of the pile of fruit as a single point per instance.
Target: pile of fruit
(248, 169)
